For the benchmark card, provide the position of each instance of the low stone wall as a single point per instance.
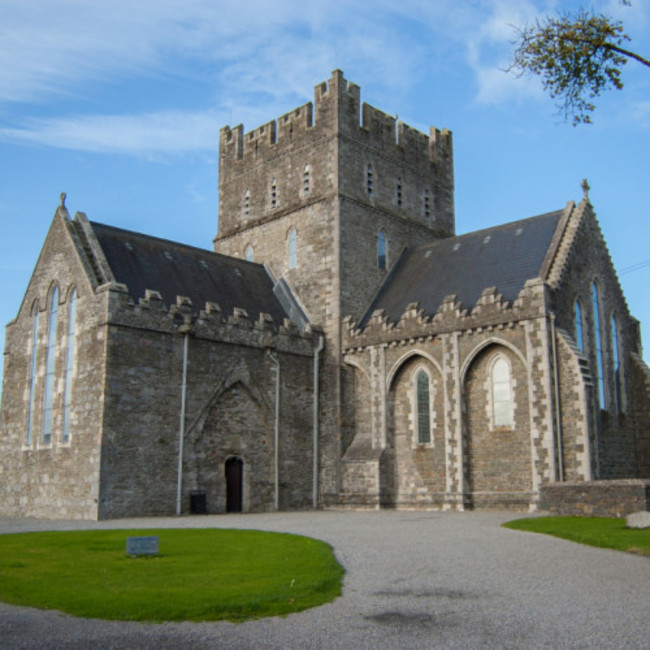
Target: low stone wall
(596, 498)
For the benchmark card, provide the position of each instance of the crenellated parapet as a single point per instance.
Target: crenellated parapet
(336, 107)
(386, 132)
(325, 148)
(211, 323)
(490, 312)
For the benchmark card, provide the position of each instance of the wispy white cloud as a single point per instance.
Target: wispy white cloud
(166, 132)
(489, 52)
(260, 57)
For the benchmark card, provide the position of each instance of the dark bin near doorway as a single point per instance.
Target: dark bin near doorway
(198, 502)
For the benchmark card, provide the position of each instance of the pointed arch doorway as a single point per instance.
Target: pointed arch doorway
(234, 484)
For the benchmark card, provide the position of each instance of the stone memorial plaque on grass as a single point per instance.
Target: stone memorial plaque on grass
(142, 545)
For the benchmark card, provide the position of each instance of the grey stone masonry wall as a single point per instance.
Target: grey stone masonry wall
(641, 398)
(616, 498)
(615, 433)
(307, 172)
(230, 408)
(469, 463)
(58, 478)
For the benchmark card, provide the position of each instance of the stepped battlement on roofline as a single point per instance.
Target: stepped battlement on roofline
(490, 312)
(336, 108)
(211, 322)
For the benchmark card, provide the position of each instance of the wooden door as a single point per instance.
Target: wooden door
(234, 484)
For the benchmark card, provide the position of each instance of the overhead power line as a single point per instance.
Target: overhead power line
(634, 267)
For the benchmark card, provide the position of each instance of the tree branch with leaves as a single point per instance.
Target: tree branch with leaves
(578, 56)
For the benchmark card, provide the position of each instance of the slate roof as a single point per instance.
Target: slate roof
(504, 257)
(143, 262)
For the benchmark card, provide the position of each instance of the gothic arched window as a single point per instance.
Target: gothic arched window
(381, 250)
(423, 408)
(69, 365)
(618, 370)
(32, 378)
(580, 341)
(600, 353)
(292, 248)
(501, 393)
(50, 358)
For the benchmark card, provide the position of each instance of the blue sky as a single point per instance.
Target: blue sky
(120, 103)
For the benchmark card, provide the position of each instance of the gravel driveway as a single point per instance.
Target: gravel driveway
(414, 580)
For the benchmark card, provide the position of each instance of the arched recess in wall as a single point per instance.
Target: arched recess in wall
(236, 425)
(493, 340)
(405, 357)
(414, 463)
(496, 426)
(235, 420)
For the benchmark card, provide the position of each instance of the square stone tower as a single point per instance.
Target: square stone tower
(327, 197)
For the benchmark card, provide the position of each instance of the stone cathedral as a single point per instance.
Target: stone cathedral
(341, 347)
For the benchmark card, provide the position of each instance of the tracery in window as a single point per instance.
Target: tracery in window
(381, 250)
(292, 245)
(618, 370)
(69, 365)
(50, 358)
(580, 341)
(598, 338)
(501, 393)
(32, 379)
(427, 205)
(423, 408)
(248, 253)
(369, 180)
(398, 192)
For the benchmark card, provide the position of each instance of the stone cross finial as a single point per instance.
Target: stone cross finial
(63, 195)
(585, 188)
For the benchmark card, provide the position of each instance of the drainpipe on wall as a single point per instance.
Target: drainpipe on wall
(181, 427)
(558, 414)
(276, 434)
(317, 351)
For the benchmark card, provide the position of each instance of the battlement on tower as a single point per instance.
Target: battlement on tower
(336, 109)
(290, 169)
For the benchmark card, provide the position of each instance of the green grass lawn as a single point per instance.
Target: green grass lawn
(198, 575)
(594, 531)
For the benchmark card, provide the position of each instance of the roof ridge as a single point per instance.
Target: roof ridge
(501, 226)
